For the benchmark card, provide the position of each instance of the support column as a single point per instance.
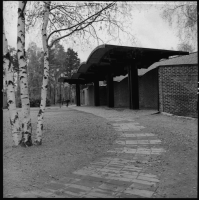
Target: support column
(77, 94)
(96, 93)
(110, 91)
(133, 87)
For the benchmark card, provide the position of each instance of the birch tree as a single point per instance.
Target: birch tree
(26, 139)
(8, 77)
(77, 21)
(38, 138)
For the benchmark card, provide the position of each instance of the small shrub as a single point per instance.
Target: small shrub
(36, 103)
(47, 102)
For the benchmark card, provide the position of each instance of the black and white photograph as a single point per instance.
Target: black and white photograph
(100, 99)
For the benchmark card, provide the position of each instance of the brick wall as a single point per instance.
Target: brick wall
(178, 90)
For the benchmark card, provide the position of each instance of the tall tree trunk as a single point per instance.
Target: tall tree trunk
(38, 139)
(18, 91)
(54, 94)
(70, 93)
(26, 139)
(8, 69)
(50, 92)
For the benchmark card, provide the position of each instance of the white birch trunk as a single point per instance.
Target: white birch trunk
(8, 69)
(39, 131)
(26, 139)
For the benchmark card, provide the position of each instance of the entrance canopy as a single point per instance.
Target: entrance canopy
(106, 59)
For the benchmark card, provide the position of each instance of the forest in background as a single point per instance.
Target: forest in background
(62, 63)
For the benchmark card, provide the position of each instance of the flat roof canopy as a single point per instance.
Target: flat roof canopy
(115, 59)
(72, 80)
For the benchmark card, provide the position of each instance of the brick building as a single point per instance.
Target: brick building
(169, 86)
(136, 78)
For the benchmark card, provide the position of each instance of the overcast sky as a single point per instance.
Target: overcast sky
(150, 30)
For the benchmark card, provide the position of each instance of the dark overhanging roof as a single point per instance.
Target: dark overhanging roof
(115, 59)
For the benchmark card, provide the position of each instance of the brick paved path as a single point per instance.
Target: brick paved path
(121, 173)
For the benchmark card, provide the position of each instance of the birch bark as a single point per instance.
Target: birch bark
(40, 116)
(8, 69)
(26, 139)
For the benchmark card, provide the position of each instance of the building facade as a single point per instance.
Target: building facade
(167, 86)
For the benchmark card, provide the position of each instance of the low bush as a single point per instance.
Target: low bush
(35, 103)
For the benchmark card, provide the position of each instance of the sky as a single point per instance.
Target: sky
(148, 27)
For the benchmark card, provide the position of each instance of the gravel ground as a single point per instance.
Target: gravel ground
(177, 167)
(71, 140)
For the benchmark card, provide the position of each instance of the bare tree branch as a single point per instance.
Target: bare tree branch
(76, 25)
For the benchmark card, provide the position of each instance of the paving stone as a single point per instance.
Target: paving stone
(72, 176)
(97, 166)
(119, 182)
(115, 167)
(62, 194)
(73, 194)
(155, 141)
(132, 176)
(145, 182)
(148, 175)
(89, 183)
(109, 170)
(99, 163)
(141, 159)
(119, 178)
(120, 162)
(90, 167)
(143, 193)
(147, 137)
(129, 173)
(88, 196)
(35, 194)
(112, 187)
(131, 151)
(96, 179)
(131, 142)
(125, 195)
(99, 175)
(143, 186)
(102, 191)
(128, 135)
(120, 142)
(157, 149)
(55, 186)
(143, 141)
(129, 156)
(81, 187)
(131, 167)
(83, 172)
(67, 181)
(144, 152)
(76, 191)
(99, 195)
(148, 178)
